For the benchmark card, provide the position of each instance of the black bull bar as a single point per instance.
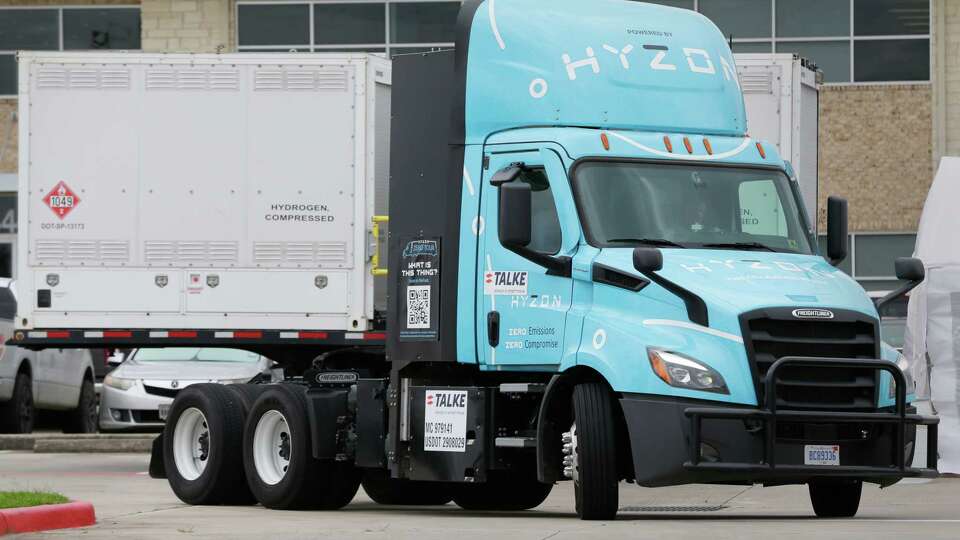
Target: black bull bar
(769, 416)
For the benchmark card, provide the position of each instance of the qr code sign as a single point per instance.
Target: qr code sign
(418, 306)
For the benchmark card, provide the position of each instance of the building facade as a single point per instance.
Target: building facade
(890, 105)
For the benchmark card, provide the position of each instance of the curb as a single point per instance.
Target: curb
(56, 442)
(46, 517)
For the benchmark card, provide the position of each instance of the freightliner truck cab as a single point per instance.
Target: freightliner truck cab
(596, 217)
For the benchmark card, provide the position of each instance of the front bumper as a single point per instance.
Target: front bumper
(678, 442)
(131, 409)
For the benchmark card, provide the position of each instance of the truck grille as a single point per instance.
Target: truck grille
(771, 334)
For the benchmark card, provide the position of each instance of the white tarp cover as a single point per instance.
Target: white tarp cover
(932, 341)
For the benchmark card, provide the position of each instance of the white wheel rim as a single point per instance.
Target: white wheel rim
(271, 447)
(191, 444)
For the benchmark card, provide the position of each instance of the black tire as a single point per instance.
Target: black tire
(247, 393)
(84, 418)
(306, 483)
(595, 484)
(385, 490)
(503, 491)
(221, 480)
(18, 414)
(835, 498)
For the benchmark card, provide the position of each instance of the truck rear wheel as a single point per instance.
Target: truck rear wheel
(385, 490)
(835, 498)
(590, 453)
(203, 429)
(278, 457)
(503, 491)
(17, 415)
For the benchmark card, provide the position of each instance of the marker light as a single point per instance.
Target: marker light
(686, 142)
(706, 144)
(683, 372)
(760, 149)
(605, 141)
(667, 144)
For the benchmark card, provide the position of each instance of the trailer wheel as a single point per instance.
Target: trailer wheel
(247, 394)
(203, 429)
(835, 498)
(17, 415)
(590, 453)
(503, 491)
(278, 457)
(385, 490)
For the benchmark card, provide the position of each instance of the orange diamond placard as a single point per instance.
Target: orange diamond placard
(61, 199)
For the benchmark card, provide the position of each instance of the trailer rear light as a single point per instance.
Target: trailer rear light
(667, 144)
(706, 144)
(760, 149)
(686, 143)
(605, 141)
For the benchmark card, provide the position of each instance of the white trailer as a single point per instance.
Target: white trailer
(782, 96)
(229, 192)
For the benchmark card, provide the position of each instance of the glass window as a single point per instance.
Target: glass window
(280, 24)
(813, 18)
(545, 236)
(892, 60)
(739, 18)
(891, 17)
(628, 204)
(752, 47)
(832, 57)
(348, 23)
(423, 22)
(8, 75)
(101, 29)
(876, 252)
(35, 29)
(685, 4)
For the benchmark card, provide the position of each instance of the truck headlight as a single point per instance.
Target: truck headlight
(907, 376)
(682, 371)
(118, 382)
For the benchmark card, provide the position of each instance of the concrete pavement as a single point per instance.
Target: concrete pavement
(131, 505)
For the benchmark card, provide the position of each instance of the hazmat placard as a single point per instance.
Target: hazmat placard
(445, 421)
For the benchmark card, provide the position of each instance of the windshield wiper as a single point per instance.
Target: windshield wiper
(742, 245)
(648, 241)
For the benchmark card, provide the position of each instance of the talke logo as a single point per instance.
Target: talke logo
(61, 199)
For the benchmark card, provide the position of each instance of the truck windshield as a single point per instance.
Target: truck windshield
(686, 205)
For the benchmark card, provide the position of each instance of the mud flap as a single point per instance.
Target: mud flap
(157, 469)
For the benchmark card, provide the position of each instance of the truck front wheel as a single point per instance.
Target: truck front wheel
(203, 429)
(278, 456)
(590, 453)
(385, 490)
(835, 498)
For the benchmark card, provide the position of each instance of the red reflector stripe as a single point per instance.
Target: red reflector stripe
(58, 335)
(374, 335)
(117, 333)
(313, 335)
(182, 334)
(249, 334)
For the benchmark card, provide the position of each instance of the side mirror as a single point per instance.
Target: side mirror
(909, 269)
(646, 259)
(514, 218)
(836, 230)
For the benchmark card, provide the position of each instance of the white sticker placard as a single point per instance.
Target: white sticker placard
(498, 282)
(445, 421)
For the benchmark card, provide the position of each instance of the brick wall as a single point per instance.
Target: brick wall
(8, 136)
(875, 150)
(187, 25)
(947, 102)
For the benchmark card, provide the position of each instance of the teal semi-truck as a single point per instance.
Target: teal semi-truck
(594, 274)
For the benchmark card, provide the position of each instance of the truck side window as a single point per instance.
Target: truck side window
(760, 210)
(545, 236)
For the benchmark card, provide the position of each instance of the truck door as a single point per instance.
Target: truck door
(522, 308)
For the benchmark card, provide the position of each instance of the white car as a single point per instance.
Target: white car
(51, 379)
(138, 393)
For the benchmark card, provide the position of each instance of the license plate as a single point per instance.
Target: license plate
(163, 409)
(821, 454)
